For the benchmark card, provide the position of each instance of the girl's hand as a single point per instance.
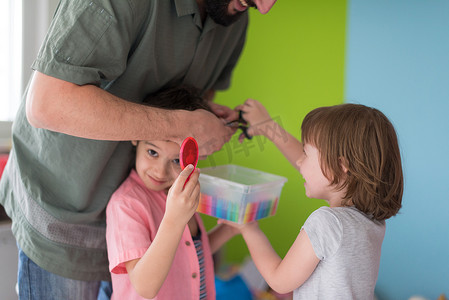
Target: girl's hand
(239, 227)
(231, 228)
(182, 202)
(257, 116)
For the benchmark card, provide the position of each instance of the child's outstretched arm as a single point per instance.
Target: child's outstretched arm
(262, 124)
(282, 275)
(219, 235)
(148, 273)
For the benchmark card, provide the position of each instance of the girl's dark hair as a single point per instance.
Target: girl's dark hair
(180, 97)
(364, 141)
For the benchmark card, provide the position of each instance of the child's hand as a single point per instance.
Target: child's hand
(239, 227)
(231, 228)
(182, 202)
(257, 116)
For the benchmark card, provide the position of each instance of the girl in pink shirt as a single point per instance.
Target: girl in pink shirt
(157, 244)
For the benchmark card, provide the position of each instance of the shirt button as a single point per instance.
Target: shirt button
(194, 275)
(187, 243)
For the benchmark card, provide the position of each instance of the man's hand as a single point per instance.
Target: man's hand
(223, 112)
(209, 131)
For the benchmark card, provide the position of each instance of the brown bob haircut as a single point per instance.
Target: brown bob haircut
(364, 141)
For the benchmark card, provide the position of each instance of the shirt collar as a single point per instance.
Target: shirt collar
(190, 7)
(186, 7)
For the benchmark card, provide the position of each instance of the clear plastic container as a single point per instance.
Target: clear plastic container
(239, 194)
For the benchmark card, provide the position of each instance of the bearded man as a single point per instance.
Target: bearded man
(99, 60)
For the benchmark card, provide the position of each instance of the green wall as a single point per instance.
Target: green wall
(293, 62)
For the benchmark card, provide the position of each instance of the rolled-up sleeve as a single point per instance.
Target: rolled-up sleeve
(87, 42)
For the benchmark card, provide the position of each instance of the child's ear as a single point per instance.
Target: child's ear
(343, 164)
(134, 143)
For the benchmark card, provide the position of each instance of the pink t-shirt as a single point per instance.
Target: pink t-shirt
(133, 216)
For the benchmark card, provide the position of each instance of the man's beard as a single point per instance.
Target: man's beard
(218, 11)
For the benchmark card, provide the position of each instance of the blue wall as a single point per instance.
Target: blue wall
(397, 60)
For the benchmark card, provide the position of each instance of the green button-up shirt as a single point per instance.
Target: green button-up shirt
(56, 186)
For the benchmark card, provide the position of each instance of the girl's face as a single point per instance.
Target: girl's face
(157, 163)
(316, 184)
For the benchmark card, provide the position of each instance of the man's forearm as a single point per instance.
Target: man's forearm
(90, 112)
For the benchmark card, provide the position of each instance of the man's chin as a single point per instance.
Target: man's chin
(218, 12)
(227, 20)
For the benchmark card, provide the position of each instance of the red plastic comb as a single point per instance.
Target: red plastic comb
(188, 155)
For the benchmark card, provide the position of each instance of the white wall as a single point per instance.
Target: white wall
(8, 263)
(36, 19)
(37, 16)
(5, 136)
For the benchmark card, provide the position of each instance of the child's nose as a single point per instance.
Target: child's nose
(162, 169)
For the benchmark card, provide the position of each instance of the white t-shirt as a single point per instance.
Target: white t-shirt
(348, 244)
